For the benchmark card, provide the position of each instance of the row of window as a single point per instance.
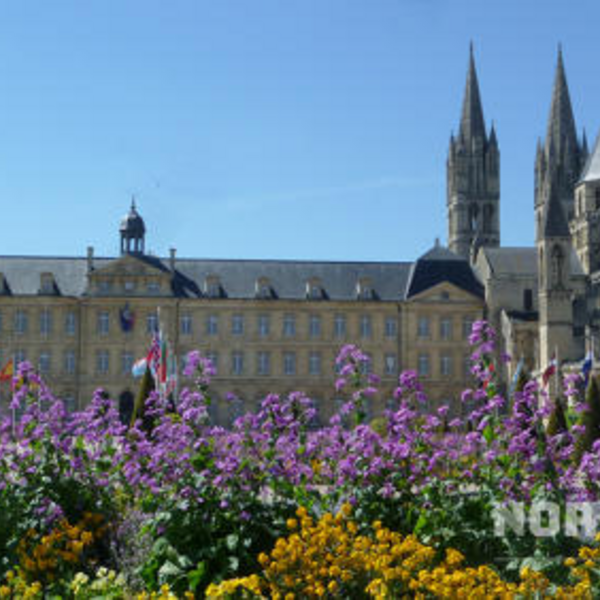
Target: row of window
(263, 326)
(45, 322)
(129, 285)
(446, 366)
(238, 364)
(445, 328)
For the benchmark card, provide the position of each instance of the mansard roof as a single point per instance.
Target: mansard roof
(512, 261)
(442, 265)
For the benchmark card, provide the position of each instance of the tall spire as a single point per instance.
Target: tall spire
(561, 123)
(472, 124)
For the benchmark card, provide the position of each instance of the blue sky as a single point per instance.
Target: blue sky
(312, 129)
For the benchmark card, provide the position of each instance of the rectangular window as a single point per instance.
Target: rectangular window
(264, 363)
(129, 285)
(126, 363)
(339, 326)
(365, 327)
(20, 356)
(366, 366)
(237, 324)
(102, 363)
(212, 325)
(446, 329)
(446, 365)
(289, 325)
(103, 322)
(289, 363)
(70, 362)
(44, 363)
(237, 363)
(214, 359)
(314, 326)
(423, 365)
(45, 322)
(467, 326)
(391, 327)
(70, 323)
(263, 325)
(314, 363)
(185, 325)
(423, 327)
(528, 300)
(151, 323)
(20, 322)
(153, 287)
(390, 364)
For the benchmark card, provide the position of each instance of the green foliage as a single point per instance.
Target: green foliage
(557, 423)
(145, 389)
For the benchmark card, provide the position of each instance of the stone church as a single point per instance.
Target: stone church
(277, 326)
(543, 300)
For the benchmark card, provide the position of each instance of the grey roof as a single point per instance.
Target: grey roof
(439, 265)
(512, 261)
(288, 279)
(238, 278)
(591, 171)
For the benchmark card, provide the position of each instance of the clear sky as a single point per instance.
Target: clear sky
(309, 129)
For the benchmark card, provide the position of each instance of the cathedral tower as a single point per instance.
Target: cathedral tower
(473, 177)
(555, 284)
(561, 156)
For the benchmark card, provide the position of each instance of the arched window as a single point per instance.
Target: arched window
(473, 217)
(557, 257)
(488, 215)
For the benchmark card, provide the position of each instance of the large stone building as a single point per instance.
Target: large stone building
(278, 325)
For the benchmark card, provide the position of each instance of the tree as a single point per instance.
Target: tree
(139, 408)
(590, 419)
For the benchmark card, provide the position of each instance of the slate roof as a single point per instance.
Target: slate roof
(512, 261)
(237, 278)
(440, 265)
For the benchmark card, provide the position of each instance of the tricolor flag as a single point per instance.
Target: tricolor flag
(489, 374)
(550, 370)
(587, 366)
(8, 370)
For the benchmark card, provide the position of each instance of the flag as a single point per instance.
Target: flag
(550, 370)
(139, 367)
(8, 370)
(515, 379)
(489, 374)
(127, 318)
(587, 366)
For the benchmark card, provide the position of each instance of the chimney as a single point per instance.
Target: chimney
(90, 258)
(172, 252)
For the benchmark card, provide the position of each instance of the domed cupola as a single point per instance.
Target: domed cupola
(132, 231)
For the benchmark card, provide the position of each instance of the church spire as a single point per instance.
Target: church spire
(561, 123)
(472, 123)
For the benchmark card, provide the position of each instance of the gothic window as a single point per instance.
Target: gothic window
(473, 217)
(488, 214)
(558, 260)
(541, 267)
(528, 299)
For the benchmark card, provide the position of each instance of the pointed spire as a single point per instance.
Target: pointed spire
(584, 146)
(555, 223)
(472, 123)
(561, 123)
(492, 139)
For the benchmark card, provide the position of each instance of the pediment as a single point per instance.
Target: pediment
(446, 292)
(131, 266)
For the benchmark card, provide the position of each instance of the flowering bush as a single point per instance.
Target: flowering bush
(173, 503)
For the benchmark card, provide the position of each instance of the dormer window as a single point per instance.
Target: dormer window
(364, 289)
(104, 285)
(263, 289)
(153, 287)
(129, 285)
(212, 286)
(47, 285)
(314, 289)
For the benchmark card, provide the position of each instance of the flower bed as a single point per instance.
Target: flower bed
(173, 506)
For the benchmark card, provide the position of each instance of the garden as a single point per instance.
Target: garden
(405, 506)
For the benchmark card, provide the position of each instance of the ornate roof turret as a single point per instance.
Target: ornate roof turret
(132, 230)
